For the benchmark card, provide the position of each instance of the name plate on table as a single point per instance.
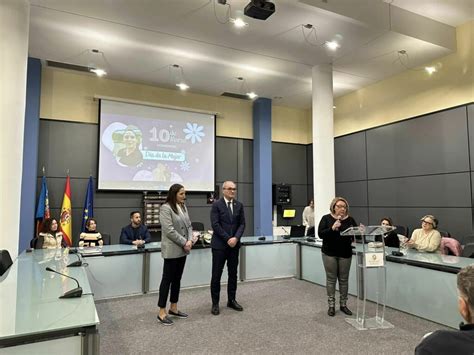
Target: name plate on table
(374, 259)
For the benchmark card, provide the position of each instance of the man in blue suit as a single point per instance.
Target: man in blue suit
(228, 224)
(135, 233)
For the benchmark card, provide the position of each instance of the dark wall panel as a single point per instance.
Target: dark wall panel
(350, 157)
(432, 144)
(245, 160)
(226, 159)
(470, 115)
(354, 192)
(196, 200)
(249, 228)
(289, 163)
(447, 190)
(201, 214)
(67, 145)
(360, 214)
(245, 194)
(309, 165)
(457, 221)
(299, 195)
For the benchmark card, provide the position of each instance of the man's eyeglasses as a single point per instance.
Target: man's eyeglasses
(231, 188)
(427, 222)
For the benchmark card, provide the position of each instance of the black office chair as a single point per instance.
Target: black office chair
(310, 232)
(5, 261)
(197, 226)
(466, 240)
(37, 243)
(444, 234)
(402, 230)
(297, 231)
(468, 251)
(105, 238)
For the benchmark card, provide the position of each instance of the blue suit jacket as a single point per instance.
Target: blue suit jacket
(126, 236)
(224, 226)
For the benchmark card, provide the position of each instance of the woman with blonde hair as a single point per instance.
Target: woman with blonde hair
(426, 238)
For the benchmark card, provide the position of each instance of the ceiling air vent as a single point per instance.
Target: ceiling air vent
(53, 64)
(235, 96)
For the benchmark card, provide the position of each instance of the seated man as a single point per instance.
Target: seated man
(135, 233)
(455, 341)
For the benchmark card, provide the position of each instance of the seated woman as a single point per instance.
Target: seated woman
(391, 238)
(426, 238)
(91, 237)
(50, 237)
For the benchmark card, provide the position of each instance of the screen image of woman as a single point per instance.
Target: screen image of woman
(130, 138)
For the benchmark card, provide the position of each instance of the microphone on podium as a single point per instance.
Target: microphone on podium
(75, 292)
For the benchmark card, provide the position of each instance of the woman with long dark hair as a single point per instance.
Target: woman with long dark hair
(176, 242)
(50, 236)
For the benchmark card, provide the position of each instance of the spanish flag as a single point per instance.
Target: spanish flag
(66, 214)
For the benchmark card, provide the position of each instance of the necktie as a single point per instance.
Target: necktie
(230, 209)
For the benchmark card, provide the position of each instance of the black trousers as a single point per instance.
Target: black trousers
(219, 258)
(172, 272)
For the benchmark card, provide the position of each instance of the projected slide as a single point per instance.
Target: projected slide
(146, 148)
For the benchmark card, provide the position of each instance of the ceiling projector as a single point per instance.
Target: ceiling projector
(259, 9)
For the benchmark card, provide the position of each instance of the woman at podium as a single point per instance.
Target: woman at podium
(337, 252)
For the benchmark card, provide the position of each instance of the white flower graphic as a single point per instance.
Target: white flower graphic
(193, 132)
(184, 166)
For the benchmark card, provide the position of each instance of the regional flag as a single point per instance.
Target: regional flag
(66, 214)
(42, 211)
(88, 204)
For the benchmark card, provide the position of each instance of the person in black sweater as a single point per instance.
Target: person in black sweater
(391, 238)
(337, 252)
(461, 341)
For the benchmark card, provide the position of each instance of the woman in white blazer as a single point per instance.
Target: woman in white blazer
(176, 243)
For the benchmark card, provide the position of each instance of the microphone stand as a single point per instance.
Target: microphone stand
(76, 263)
(75, 292)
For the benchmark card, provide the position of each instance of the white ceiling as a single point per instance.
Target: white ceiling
(141, 38)
(450, 12)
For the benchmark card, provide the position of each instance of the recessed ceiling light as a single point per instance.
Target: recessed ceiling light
(252, 95)
(183, 86)
(332, 45)
(430, 70)
(238, 22)
(98, 72)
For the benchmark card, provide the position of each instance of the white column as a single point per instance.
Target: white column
(323, 141)
(14, 27)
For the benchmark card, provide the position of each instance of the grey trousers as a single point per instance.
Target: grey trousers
(337, 269)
